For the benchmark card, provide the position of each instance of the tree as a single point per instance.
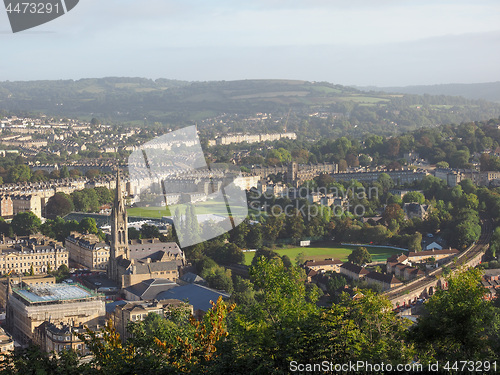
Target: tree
(393, 212)
(59, 204)
(414, 197)
(254, 237)
(175, 346)
(386, 181)
(495, 242)
(64, 172)
(468, 201)
(274, 226)
(150, 231)
(5, 228)
(25, 223)
(134, 234)
(265, 252)
(85, 200)
(360, 256)
(295, 225)
(415, 242)
(20, 173)
(465, 233)
(88, 226)
(92, 173)
(104, 195)
(458, 322)
(442, 164)
(32, 360)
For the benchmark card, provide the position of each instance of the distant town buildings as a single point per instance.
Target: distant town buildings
(250, 138)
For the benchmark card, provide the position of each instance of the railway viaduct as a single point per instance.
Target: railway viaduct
(425, 287)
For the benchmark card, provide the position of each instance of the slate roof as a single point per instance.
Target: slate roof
(149, 289)
(193, 278)
(110, 307)
(197, 295)
(397, 258)
(140, 249)
(354, 268)
(142, 268)
(385, 278)
(326, 262)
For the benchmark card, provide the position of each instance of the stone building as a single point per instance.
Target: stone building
(137, 311)
(87, 250)
(37, 254)
(56, 337)
(28, 307)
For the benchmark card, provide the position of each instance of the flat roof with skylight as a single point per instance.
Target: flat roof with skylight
(54, 293)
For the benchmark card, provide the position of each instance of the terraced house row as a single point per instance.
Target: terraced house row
(37, 254)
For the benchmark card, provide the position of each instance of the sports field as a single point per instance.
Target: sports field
(208, 207)
(379, 254)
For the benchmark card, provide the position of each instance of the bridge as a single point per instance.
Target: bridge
(424, 287)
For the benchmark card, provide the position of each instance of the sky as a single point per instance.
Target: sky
(349, 42)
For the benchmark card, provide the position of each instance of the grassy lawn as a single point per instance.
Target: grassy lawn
(151, 212)
(208, 207)
(379, 254)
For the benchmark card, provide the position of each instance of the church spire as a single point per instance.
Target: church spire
(119, 234)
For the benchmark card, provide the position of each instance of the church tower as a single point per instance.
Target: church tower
(119, 234)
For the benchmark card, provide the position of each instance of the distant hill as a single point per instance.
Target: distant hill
(313, 109)
(487, 91)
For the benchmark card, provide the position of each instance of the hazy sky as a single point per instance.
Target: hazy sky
(357, 42)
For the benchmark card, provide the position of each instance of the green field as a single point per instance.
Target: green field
(149, 212)
(208, 207)
(379, 254)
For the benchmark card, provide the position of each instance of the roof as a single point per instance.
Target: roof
(193, 278)
(354, 268)
(54, 292)
(110, 307)
(140, 249)
(430, 253)
(385, 278)
(326, 262)
(144, 306)
(492, 272)
(311, 272)
(149, 289)
(143, 268)
(197, 295)
(434, 245)
(397, 258)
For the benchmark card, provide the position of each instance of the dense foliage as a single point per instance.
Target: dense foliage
(282, 323)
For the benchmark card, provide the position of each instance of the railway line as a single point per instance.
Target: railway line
(468, 257)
